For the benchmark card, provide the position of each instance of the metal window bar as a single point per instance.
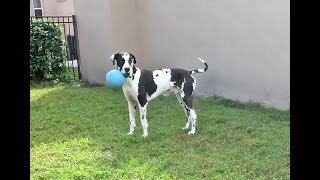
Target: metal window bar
(71, 46)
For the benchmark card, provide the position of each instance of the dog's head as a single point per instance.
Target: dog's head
(125, 62)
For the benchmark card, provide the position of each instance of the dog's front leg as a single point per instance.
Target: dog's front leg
(132, 115)
(143, 117)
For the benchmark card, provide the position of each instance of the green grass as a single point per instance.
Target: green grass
(80, 133)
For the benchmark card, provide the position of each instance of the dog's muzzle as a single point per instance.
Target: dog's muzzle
(126, 75)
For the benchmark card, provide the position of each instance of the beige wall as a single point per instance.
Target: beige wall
(55, 7)
(95, 38)
(125, 26)
(246, 43)
(58, 8)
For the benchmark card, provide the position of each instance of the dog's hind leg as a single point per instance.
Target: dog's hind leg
(183, 105)
(133, 105)
(193, 117)
(191, 113)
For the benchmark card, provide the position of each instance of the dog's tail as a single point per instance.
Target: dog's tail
(200, 70)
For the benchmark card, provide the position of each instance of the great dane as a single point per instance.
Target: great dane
(141, 86)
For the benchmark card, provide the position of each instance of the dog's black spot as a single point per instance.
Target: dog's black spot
(188, 101)
(132, 77)
(132, 58)
(120, 61)
(146, 86)
(142, 117)
(166, 71)
(188, 110)
(134, 70)
(142, 99)
(188, 91)
(135, 107)
(157, 75)
(178, 75)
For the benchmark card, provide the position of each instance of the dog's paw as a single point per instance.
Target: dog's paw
(191, 132)
(144, 135)
(130, 133)
(184, 128)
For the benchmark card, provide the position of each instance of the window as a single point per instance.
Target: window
(37, 7)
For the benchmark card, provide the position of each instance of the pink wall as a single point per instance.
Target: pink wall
(55, 7)
(245, 43)
(58, 7)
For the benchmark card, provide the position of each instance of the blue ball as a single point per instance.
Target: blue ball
(115, 78)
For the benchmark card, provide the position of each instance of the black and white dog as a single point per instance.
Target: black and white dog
(141, 86)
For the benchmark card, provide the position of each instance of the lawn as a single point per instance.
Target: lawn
(80, 133)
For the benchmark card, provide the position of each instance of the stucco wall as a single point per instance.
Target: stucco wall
(58, 8)
(246, 43)
(95, 39)
(55, 8)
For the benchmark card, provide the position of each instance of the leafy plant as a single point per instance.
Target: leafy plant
(47, 52)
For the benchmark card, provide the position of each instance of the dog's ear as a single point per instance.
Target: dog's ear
(112, 58)
(132, 57)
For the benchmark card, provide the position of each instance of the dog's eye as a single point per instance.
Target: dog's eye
(130, 61)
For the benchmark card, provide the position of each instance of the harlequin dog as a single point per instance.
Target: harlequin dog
(141, 86)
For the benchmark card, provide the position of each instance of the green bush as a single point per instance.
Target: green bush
(47, 52)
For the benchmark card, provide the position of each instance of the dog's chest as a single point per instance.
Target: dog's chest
(130, 87)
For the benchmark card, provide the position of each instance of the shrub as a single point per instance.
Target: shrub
(47, 52)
